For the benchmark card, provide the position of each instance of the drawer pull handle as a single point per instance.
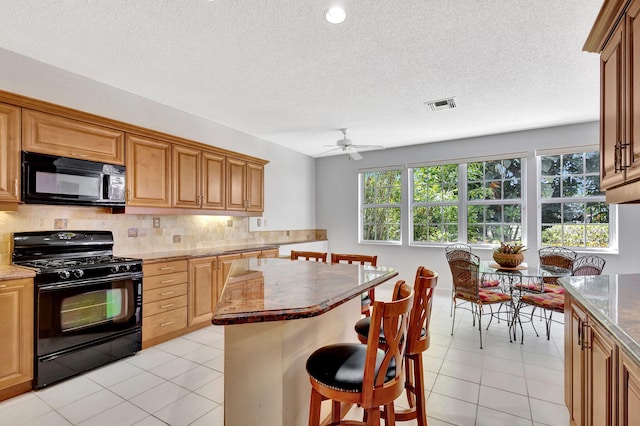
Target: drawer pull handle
(3, 285)
(167, 268)
(164, 324)
(167, 306)
(166, 281)
(167, 293)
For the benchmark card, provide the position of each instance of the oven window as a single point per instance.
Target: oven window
(93, 308)
(59, 183)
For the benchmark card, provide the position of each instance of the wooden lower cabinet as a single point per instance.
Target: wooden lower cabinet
(224, 267)
(16, 337)
(202, 288)
(164, 298)
(628, 391)
(591, 368)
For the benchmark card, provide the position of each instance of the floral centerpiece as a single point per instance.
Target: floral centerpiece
(509, 255)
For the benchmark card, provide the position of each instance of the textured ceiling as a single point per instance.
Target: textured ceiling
(277, 70)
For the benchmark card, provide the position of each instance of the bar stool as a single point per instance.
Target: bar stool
(418, 341)
(361, 259)
(364, 374)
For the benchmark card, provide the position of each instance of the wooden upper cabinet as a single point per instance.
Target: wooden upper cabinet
(632, 99)
(9, 157)
(199, 178)
(187, 179)
(245, 185)
(255, 187)
(611, 112)
(213, 181)
(148, 172)
(55, 135)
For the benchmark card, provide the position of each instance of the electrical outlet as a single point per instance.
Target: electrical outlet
(132, 232)
(264, 222)
(156, 222)
(59, 223)
(230, 223)
(259, 221)
(288, 233)
(176, 239)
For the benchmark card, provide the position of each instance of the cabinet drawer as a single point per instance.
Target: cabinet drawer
(152, 283)
(160, 268)
(157, 325)
(166, 305)
(164, 293)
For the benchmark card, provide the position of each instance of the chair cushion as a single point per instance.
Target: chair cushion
(488, 297)
(341, 366)
(489, 283)
(553, 288)
(528, 287)
(362, 329)
(551, 301)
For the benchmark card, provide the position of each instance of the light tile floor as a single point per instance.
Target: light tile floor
(180, 382)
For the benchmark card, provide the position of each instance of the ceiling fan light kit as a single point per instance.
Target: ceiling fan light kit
(335, 15)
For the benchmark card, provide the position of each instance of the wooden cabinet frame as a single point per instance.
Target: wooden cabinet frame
(10, 168)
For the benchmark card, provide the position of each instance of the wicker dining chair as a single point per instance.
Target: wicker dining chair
(560, 257)
(465, 271)
(588, 265)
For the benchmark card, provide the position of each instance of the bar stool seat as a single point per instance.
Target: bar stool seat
(419, 340)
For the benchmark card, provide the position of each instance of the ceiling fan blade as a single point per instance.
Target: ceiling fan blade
(331, 150)
(354, 155)
(367, 146)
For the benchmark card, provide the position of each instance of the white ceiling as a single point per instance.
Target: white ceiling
(277, 70)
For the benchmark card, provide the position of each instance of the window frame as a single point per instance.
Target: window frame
(463, 201)
(613, 210)
(362, 206)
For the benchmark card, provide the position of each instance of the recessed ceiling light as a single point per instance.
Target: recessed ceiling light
(336, 15)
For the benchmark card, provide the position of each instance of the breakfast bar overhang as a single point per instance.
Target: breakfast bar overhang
(276, 313)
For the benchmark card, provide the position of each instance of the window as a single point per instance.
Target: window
(488, 194)
(380, 205)
(573, 211)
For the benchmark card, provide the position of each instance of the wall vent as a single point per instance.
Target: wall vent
(440, 104)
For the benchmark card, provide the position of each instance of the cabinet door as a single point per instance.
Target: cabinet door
(148, 172)
(16, 332)
(200, 290)
(632, 101)
(9, 157)
(600, 373)
(255, 187)
(611, 116)
(236, 184)
(224, 267)
(251, 254)
(186, 176)
(574, 357)
(629, 392)
(51, 134)
(213, 181)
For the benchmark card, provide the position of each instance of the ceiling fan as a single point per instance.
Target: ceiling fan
(347, 146)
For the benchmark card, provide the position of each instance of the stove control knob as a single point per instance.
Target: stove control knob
(64, 274)
(126, 268)
(115, 269)
(78, 273)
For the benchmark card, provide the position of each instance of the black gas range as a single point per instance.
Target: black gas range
(88, 302)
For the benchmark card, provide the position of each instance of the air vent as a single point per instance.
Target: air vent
(440, 104)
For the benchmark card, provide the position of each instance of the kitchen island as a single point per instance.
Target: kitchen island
(276, 312)
(602, 349)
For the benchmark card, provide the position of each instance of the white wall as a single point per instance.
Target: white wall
(289, 176)
(337, 198)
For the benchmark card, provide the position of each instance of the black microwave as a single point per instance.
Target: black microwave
(49, 179)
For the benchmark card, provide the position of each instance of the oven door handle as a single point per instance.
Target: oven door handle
(89, 282)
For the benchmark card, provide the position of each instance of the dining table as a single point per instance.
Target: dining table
(518, 280)
(276, 312)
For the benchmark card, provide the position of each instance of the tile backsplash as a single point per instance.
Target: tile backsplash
(137, 234)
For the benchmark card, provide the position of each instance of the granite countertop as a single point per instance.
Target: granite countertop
(10, 272)
(614, 302)
(204, 252)
(276, 289)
